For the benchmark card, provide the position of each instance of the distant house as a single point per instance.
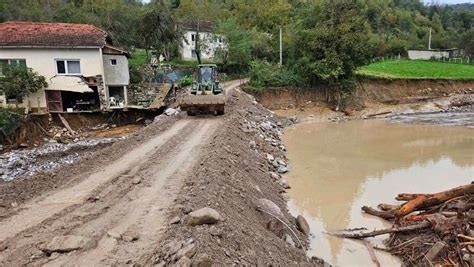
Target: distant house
(83, 70)
(209, 40)
(433, 54)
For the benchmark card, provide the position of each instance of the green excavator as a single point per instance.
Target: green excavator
(206, 94)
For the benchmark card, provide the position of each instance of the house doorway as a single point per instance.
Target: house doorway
(117, 97)
(69, 101)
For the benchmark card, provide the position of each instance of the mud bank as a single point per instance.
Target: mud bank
(35, 129)
(231, 179)
(369, 93)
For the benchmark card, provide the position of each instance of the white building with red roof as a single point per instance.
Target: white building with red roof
(83, 70)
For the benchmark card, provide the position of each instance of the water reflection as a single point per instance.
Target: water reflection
(337, 168)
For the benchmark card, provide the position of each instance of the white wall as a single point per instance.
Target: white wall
(426, 55)
(118, 74)
(209, 41)
(42, 60)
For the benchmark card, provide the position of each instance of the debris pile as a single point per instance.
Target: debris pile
(27, 162)
(429, 229)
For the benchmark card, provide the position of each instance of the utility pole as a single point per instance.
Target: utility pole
(281, 50)
(429, 41)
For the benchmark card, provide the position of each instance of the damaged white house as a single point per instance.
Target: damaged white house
(83, 70)
(210, 41)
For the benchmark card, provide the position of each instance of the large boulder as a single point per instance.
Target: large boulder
(65, 243)
(203, 216)
(268, 206)
(303, 225)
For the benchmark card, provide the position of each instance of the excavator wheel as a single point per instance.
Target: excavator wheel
(220, 111)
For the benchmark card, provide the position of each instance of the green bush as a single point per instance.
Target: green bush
(186, 81)
(10, 119)
(263, 74)
(136, 75)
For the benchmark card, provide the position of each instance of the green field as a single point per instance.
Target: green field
(139, 57)
(417, 69)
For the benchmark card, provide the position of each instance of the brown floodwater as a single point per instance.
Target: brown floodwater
(336, 168)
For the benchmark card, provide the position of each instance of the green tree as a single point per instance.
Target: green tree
(332, 41)
(237, 49)
(20, 81)
(467, 43)
(160, 30)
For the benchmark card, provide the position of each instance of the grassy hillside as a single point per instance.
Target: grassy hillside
(417, 69)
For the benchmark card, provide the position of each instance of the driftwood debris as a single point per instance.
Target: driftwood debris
(373, 257)
(433, 229)
(362, 235)
(417, 202)
(65, 123)
(379, 113)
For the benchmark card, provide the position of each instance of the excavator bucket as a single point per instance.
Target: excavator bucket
(193, 104)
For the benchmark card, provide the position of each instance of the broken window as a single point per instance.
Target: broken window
(113, 62)
(68, 66)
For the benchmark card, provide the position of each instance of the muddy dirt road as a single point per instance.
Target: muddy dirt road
(112, 216)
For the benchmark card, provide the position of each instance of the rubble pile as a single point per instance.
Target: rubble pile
(428, 229)
(27, 162)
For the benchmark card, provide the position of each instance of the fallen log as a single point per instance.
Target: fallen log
(406, 196)
(379, 113)
(388, 215)
(411, 205)
(388, 207)
(428, 200)
(395, 229)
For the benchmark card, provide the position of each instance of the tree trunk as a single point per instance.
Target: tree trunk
(433, 199)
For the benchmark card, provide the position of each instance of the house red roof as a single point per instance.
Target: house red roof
(13, 33)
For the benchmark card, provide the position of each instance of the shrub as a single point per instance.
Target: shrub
(10, 119)
(136, 75)
(186, 81)
(20, 81)
(263, 74)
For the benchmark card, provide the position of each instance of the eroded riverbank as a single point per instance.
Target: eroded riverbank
(336, 168)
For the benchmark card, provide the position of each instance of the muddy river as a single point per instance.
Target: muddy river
(336, 168)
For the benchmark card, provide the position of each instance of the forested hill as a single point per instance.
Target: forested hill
(395, 25)
(465, 6)
(323, 41)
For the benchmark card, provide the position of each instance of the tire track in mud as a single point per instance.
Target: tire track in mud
(38, 211)
(143, 216)
(108, 200)
(116, 204)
